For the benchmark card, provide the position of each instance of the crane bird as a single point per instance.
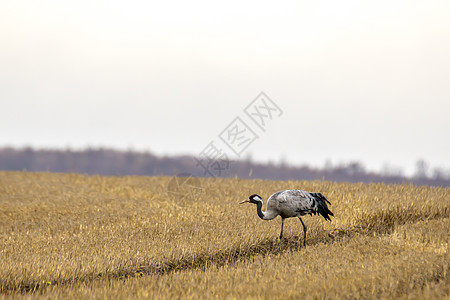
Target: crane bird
(291, 203)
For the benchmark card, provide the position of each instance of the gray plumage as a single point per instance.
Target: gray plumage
(292, 203)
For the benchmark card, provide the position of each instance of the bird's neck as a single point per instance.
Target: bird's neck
(259, 210)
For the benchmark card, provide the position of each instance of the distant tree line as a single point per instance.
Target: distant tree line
(113, 162)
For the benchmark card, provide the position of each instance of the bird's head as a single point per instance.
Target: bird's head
(255, 199)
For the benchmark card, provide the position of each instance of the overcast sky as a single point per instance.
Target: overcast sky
(356, 80)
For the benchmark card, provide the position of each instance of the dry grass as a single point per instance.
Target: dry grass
(67, 235)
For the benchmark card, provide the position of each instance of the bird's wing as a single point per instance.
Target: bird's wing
(294, 201)
(304, 202)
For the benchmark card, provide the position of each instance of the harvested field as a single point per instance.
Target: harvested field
(68, 235)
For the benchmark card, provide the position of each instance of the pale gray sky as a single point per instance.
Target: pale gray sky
(357, 80)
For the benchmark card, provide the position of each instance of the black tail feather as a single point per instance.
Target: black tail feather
(322, 207)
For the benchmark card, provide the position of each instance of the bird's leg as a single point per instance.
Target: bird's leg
(281, 235)
(304, 232)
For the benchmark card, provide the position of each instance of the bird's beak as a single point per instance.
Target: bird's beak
(245, 201)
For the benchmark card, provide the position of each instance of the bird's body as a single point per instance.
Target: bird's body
(296, 203)
(292, 203)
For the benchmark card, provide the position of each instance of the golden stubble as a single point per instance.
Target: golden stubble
(69, 235)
